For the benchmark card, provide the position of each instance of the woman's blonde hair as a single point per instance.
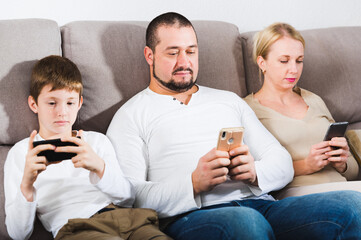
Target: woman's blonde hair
(264, 39)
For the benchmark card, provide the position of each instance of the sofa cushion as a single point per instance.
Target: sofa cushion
(110, 58)
(22, 42)
(331, 69)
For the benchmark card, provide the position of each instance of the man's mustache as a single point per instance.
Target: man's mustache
(182, 69)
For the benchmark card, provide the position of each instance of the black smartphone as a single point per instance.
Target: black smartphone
(337, 129)
(52, 156)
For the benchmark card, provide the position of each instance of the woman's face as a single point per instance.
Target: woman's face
(284, 63)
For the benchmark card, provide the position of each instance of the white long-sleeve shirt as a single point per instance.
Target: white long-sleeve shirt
(62, 192)
(159, 141)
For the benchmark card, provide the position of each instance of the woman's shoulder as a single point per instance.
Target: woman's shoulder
(251, 101)
(307, 95)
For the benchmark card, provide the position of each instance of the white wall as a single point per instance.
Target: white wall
(246, 14)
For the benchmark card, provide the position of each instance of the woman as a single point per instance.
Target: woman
(298, 118)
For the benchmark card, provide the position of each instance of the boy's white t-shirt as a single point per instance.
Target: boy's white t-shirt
(62, 191)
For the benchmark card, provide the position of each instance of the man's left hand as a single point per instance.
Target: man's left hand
(242, 166)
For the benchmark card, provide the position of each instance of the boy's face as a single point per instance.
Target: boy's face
(57, 111)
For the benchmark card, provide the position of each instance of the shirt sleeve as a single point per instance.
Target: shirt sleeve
(273, 163)
(167, 198)
(15, 203)
(113, 183)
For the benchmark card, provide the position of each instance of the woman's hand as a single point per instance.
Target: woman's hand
(316, 160)
(339, 153)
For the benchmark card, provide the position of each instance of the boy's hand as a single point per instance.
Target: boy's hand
(86, 157)
(34, 165)
(242, 165)
(211, 171)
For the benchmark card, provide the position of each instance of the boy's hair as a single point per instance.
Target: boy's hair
(166, 19)
(59, 72)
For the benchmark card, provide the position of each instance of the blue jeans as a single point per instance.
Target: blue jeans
(330, 215)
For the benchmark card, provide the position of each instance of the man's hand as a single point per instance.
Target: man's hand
(338, 157)
(34, 165)
(242, 166)
(86, 157)
(212, 169)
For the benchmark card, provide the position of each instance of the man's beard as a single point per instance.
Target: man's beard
(175, 86)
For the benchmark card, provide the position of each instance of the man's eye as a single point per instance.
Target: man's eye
(191, 52)
(172, 53)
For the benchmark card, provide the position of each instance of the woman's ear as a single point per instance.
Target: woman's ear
(261, 63)
(32, 104)
(148, 54)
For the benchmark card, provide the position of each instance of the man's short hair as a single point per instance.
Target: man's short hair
(166, 19)
(59, 72)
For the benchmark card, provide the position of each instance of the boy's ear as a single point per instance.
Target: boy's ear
(32, 104)
(148, 54)
(80, 102)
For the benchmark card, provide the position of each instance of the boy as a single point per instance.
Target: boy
(87, 189)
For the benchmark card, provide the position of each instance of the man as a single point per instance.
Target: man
(164, 137)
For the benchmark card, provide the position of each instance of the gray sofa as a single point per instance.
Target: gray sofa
(110, 58)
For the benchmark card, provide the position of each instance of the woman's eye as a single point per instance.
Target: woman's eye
(284, 61)
(71, 103)
(51, 103)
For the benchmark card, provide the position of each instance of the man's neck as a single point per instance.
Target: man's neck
(183, 97)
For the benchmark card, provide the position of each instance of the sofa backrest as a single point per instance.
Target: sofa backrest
(110, 58)
(331, 69)
(22, 42)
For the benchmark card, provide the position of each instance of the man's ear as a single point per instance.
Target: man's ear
(148, 54)
(32, 104)
(261, 63)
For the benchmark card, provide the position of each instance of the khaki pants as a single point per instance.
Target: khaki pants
(120, 223)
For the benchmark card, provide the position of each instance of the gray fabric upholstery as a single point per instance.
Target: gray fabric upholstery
(331, 69)
(110, 58)
(22, 42)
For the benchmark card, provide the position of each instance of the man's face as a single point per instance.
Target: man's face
(175, 60)
(57, 111)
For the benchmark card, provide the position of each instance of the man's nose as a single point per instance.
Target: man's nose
(183, 60)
